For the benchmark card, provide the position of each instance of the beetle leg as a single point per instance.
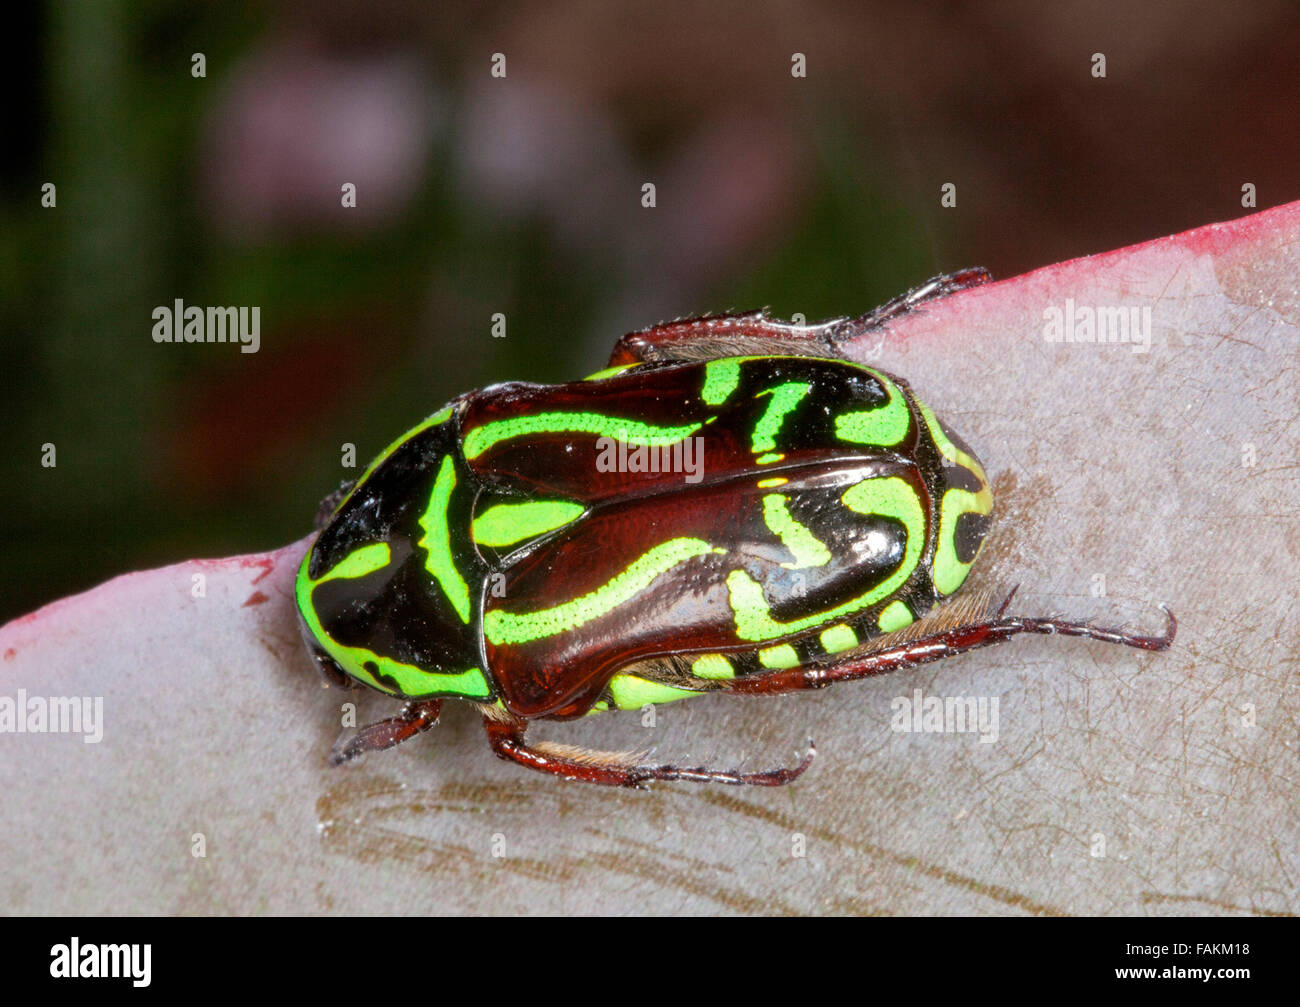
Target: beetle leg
(414, 719)
(330, 672)
(936, 646)
(615, 769)
(931, 290)
(710, 337)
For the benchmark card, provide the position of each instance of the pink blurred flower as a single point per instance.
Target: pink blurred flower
(294, 123)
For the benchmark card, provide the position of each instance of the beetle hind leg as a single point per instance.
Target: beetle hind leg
(940, 635)
(415, 718)
(616, 769)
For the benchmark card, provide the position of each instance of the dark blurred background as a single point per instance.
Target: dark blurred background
(522, 195)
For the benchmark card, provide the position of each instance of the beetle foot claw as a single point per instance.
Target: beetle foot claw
(416, 717)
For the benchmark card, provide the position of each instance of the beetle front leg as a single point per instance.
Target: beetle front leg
(615, 769)
(936, 646)
(710, 337)
(414, 719)
(931, 290)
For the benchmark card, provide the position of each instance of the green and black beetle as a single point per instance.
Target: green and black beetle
(731, 506)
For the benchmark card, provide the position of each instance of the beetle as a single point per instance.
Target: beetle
(731, 506)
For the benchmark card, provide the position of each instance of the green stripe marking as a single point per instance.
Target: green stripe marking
(949, 450)
(437, 541)
(632, 432)
(895, 616)
(506, 524)
(411, 680)
(631, 692)
(721, 378)
(505, 628)
(712, 667)
(609, 372)
(780, 656)
(785, 399)
(950, 572)
(807, 548)
(359, 562)
(839, 638)
(890, 497)
(883, 426)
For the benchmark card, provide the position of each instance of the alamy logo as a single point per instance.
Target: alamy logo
(685, 455)
(181, 324)
(946, 715)
(75, 960)
(1084, 323)
(82, 715)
